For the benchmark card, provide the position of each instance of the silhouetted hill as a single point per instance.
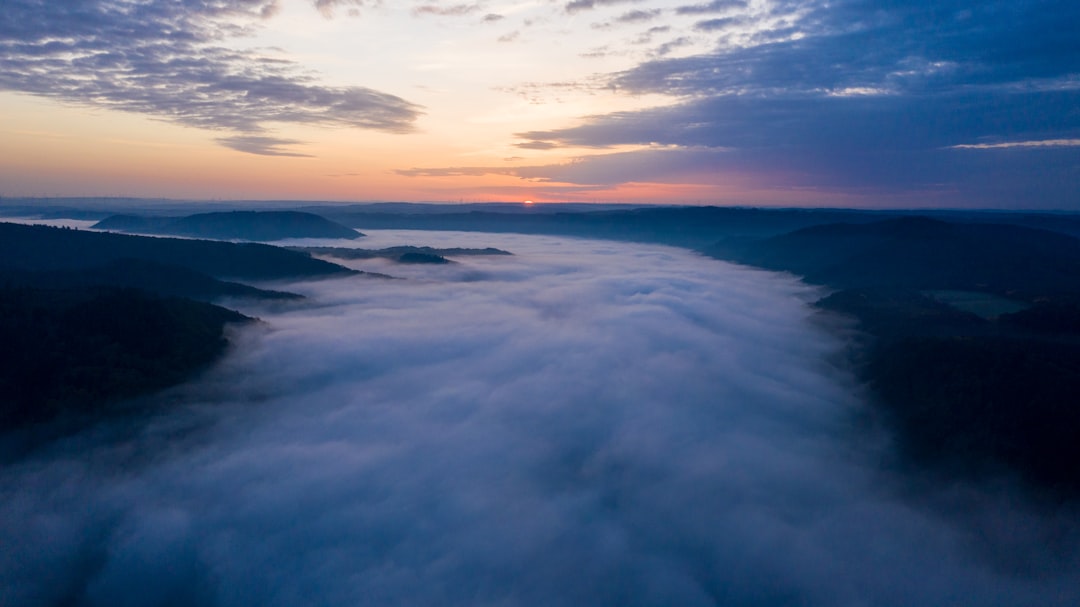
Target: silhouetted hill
(260, 226)
(74, 351)
(965, 394)
(37, 248)
(403, 254)
(159, 278)
(971, 403)
(971, 395)
(682, 226)
(920, 253)
(427, 258)
(1052, 316)
(83, 323)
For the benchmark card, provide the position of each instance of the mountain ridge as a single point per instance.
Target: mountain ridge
(258, 226)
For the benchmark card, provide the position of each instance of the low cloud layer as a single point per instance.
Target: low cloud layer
(172, 60)
(583, 423)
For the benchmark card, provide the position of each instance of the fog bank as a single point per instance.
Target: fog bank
(584, 423)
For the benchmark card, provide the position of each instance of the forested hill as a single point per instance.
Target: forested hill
(72, 352)
(681, 226)
(403, 254)
(89, 319)
(36, 248)
(163, 279)
(920, 253)
(974, 353)
(262, 226)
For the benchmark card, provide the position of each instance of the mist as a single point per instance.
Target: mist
(583, 423)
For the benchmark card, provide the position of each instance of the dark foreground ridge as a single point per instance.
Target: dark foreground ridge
(260, 226)
(73, 352)
(88, 319)
(974, 349)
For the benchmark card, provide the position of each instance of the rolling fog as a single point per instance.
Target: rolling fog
(585, 423)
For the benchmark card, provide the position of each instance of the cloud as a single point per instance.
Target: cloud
(685, 166)
(638, 16)
(647, 36)
(718, 24)
(843, 93)
(263, 146)
(671, 45)
(906, 48)
(716, 6)
(577, 6)
(584, 423)
(635, 16)
(456, 10)
(170, 61)
(852, 138)
(536, 145)
(547, 92)
(326, 7)
(456, 171)
(1046, 143)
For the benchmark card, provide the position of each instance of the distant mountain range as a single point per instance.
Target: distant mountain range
(260, 226)
(694, 227)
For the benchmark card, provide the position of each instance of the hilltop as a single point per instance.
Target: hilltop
(40, 248)
(260, 226)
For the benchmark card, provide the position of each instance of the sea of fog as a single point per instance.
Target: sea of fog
(581, 424)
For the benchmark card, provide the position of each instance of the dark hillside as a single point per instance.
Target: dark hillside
(921, 253)
(974, 402)
(262, 226)
(36, 248)
(964, 393)
(163, 279)
(74, 351)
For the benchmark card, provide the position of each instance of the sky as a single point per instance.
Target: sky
(863, 103)
(582, 423)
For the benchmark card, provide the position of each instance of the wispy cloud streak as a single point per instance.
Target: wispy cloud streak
(1046, 143)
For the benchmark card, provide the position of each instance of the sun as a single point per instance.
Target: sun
(528, 202)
